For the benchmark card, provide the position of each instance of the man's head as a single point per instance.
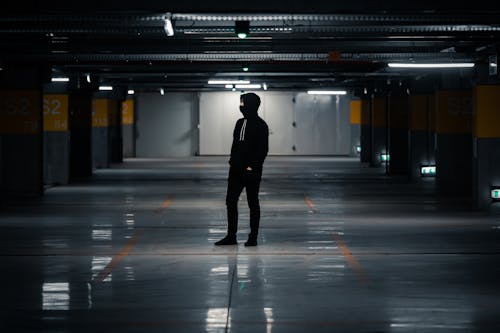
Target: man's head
(249, 104)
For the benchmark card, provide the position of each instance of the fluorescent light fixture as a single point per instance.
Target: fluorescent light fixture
(327, 92)
(228, 82)
(105, 88)
(428, 170)
(168, 27)
(385, 157)
(248, 86)
(229, 86)
(495, 193)
(358, 149)
(60, 79)
(245, 68)
(432, 65)
(264, 86)
(162, 91)
(88, 78)
(131, 91)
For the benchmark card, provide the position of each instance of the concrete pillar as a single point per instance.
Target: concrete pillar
(366, 130)
(486, 148)
(100, 133)
(379, 140)
(56, 138)
(80, 110)
(355, 120)
(106, 132)
(421, 133)
(21, 132)
(398, 134)
(115, 131)
(454, 141)
(128, 128)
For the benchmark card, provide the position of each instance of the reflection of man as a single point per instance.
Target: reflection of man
(249, 149)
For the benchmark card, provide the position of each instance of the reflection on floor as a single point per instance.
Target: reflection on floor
(342, 248)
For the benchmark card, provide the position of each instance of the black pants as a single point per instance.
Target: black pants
(250, 180)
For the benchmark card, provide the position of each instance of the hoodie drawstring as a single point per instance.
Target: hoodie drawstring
(242, 131)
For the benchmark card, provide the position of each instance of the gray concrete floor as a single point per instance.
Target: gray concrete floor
(342, 248)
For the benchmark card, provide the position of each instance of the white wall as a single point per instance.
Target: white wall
(322, 123)
(166, 125)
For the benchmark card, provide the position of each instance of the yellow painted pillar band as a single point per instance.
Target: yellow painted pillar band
(128, 112)
(20, 112)
(454, 112)
(100, 113)
(487, 112)
(399, 112)
(365, 112)
(420, 112)
(379, 112)
(55, 113)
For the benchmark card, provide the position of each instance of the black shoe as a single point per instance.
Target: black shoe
(251, 242)
(228, 240)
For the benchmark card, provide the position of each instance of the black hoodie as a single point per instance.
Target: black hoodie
(250, 137)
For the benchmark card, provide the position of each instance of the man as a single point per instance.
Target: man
(248, 151)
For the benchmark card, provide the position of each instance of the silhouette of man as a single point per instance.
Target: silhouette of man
(248, 152)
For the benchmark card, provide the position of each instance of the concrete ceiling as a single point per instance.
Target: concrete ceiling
(292, 44)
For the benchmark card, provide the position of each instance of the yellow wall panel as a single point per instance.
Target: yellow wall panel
(355, 107)
(487, 112)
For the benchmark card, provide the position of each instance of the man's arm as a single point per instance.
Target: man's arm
(261, 148)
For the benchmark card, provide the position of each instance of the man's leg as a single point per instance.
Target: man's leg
(252, 184)
(234, 187)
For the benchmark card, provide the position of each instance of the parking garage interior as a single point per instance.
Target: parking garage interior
(379, 195)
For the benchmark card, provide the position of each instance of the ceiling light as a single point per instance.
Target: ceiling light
(248, 86)
(229, 86)
(242, 28)
(162, 91)
(327, 92)
(264, 86)
(60, 79)
(105, 88)
(88, 78)
(245, 68)
(168, 27)
(228, 82)
(432, 65)
(131, 92)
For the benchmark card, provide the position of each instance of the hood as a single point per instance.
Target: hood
(251, 103)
